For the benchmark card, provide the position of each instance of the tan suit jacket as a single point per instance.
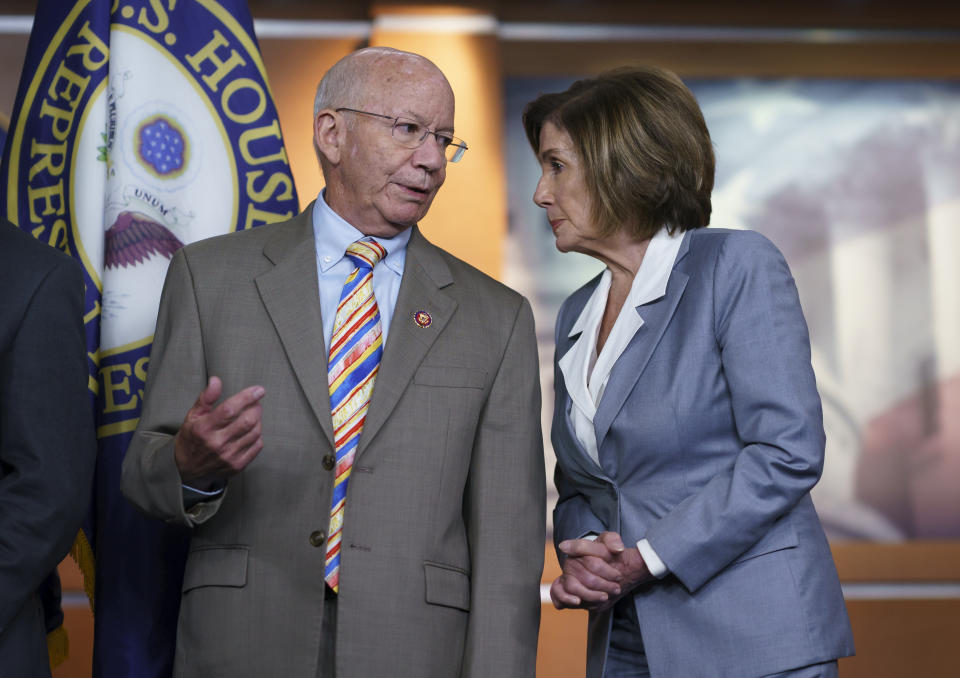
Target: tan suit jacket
(444, 526)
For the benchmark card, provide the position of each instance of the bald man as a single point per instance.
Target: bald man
(362, 468)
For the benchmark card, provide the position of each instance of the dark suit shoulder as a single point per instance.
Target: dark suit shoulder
(26, 266)
(25, 260)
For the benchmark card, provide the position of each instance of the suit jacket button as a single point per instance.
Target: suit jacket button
(317, 538)
(329, 461)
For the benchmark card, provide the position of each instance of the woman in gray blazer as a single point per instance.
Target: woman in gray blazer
(687, 424)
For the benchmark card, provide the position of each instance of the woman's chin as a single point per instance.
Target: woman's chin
(566, 246)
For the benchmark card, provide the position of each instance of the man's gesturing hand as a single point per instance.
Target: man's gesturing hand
(597, 573)
(215, 442)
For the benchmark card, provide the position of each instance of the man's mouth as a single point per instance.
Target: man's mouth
(416, 190)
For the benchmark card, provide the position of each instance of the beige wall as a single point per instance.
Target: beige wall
(294, 67)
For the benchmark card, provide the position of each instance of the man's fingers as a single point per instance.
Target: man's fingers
(248, 454)
(247, 421)
(236, 405)
(231, 420)
(208, 396)
(221, 441)
(239, 452)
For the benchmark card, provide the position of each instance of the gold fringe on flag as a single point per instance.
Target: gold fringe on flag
(58, 646)
(82, 554)
(58, 643)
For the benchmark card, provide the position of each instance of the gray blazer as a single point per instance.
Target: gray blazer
(710, 438)
(444, 529)
(47, 442)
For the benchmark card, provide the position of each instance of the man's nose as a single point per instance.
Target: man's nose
(430, 154)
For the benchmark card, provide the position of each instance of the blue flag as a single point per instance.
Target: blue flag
(139, 126)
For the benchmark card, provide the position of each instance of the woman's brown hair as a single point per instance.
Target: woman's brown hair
(644, 144)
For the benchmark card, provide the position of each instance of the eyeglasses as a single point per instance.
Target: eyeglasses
(411, 134)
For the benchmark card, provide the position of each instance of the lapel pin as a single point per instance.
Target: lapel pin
(422, 318)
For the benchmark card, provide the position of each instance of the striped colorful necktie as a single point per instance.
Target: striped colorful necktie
(355, 350)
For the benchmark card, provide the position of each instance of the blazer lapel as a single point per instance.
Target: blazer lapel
(294, 308)
(425, 274)
(566, 443)
(631, 363)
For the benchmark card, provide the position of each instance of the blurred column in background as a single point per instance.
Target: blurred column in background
(463, 43)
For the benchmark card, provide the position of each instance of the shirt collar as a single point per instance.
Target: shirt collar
(651, 280)
(593, 303)
(332, 234)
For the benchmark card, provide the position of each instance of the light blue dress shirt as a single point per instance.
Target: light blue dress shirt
(332, 235)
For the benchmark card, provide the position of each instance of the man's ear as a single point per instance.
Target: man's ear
(328, 134)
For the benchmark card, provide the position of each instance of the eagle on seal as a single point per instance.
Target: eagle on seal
(134, 237)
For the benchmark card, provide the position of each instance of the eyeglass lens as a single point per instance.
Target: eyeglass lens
(411, 134)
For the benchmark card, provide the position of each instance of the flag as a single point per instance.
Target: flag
(139, 126)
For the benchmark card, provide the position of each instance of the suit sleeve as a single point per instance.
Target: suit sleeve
(504, 509)
(572, 516)
(765, 354)
(47, 442)
(150, 477)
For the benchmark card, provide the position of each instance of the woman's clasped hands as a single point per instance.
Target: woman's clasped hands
(597, 572)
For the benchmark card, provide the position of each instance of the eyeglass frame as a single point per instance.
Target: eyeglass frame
(455, 142)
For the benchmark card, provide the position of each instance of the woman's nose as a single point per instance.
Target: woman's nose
(541, 196)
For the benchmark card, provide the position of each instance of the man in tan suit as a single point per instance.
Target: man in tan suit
(441, 547)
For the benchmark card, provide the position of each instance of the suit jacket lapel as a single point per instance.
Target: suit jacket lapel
(572, 449)
(425, 274)
(631, 363)
(294, 309)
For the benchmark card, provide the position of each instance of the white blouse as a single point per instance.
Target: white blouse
(586, 373)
